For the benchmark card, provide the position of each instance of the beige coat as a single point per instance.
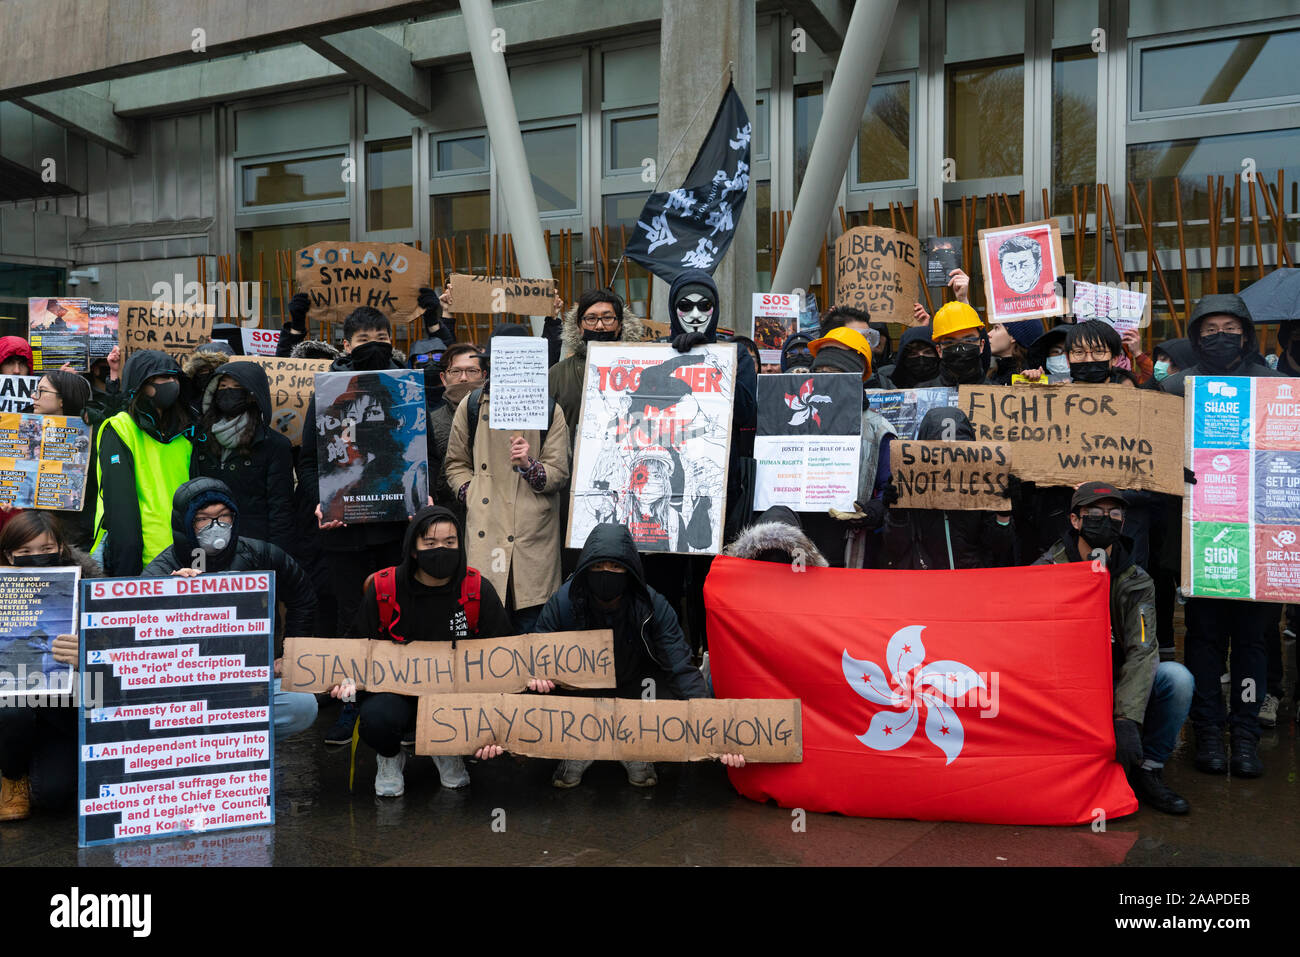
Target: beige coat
(505, 518)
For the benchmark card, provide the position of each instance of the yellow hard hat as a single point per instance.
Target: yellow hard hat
(850, 338)
(954, 317)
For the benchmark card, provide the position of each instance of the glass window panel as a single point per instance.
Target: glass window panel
(632, 139)
(621, 211)
(461, 216)
(264, 242)
(885, 137)
(762, 119)
(465, 154)
(1230, 70)
(763, 244)
(553, 162)
(807, 117)
(986, 126)
(1074, 124)
(388, 184)
(294, 181)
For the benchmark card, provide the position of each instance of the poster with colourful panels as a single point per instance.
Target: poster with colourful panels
(1242, 515)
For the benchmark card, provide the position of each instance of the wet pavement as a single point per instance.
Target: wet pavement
(510, 815)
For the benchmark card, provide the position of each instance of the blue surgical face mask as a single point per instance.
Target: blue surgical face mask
(1058, 365)
(1161, 370)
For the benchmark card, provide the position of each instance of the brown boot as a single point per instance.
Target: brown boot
(15, 799)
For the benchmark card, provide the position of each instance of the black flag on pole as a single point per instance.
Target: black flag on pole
(691, 227)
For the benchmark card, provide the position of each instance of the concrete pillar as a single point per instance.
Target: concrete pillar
(507, 144)
(697, 39)
(846, 100)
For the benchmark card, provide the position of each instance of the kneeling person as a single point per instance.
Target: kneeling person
(433, 595)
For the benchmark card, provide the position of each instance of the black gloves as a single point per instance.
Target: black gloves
(686, 341)
(1128, 744)
(889, 494)
(428, 299)
(1189, 476)
(873, 514)
(298, 307)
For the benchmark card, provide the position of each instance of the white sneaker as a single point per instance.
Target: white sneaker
(451, 771)
(1225, 679)
(390, 782)
(1268, 711)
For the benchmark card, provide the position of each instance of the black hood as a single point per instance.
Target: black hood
(144, 365)
(1179, 351)
(933, 425)
(1221, 304)
(1037, 353)
(188, 500)
(406, 570)
(250, 376)
(686, 278)
(610, 542)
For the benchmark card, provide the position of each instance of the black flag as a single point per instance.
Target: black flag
(691, 227)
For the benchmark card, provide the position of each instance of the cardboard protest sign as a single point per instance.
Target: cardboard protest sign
(293, 383)
(653, 443)
(260, 342)
(970, 476)
(1067, 434)
(340, 276)
(876, 271)
(611, 729)
(1021, 264)
(942, 256)
(809, 440)
(1241, 520)
(498, 294)
(776, 318)
(44, 460)
(175, 328)
(905, 408)
(519, 384)
(36, 606)
(573, 659)
(371, 445)
(1124, 308)
(179, 739)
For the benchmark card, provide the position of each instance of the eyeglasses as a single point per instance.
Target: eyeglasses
(225, 518)
(460, 375)
(1116, 513)
(41, 390)
(603, 322)
(1101, 354)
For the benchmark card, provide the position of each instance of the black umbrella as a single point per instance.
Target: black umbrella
(1275, 298)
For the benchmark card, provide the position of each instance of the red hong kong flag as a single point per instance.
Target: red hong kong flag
(980, 695)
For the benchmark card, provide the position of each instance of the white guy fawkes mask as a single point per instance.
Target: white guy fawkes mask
(694, 312)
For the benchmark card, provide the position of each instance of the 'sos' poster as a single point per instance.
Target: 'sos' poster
(371, 446)
(655, 433)
(1241, 534)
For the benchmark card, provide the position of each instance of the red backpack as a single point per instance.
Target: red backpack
(390, 612)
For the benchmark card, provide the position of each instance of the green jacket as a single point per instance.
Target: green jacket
(1134, 649)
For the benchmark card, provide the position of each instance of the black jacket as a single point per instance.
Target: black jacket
(648, 641)
(1251, 364)
(241, 555)
(260, 476)
(920, 538)
(431, 613)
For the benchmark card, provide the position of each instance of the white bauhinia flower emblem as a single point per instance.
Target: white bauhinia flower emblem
(916, 687)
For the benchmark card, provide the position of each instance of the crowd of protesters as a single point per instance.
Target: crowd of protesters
(187, 461)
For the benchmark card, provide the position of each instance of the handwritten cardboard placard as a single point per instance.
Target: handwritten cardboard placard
(876, 270)
(574, 659)
(1067, 434)
(970, 476)
(174, 327)
(498, 294)
(293, 383)
(519, 384)
(612, 729)
(342, 276)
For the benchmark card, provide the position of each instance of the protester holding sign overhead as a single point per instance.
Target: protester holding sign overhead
(143, 457)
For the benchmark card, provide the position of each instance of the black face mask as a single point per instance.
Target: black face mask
(607, 586)
(165, 394)
(1220, 348)
(1089, 372)
(230, 401)
(438, 562)
(599, 335)
(373, 355)
(961, 360)
(38, 561)
(920, 368)
(838, 360)
(1101, 531)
